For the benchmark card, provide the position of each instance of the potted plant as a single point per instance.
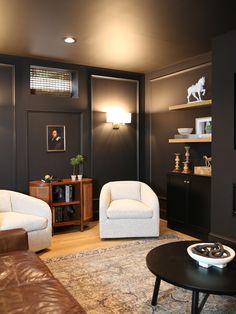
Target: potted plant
(76, 161)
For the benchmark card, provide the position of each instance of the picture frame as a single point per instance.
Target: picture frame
(203, 126)
(56, 138)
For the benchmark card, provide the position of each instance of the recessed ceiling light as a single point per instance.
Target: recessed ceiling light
(69, 40)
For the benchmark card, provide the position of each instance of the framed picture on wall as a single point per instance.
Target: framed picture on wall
(56, 138)
(203, 126)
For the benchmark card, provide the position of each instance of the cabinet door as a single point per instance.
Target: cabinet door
(176, 200)
(88, 201)
(199, 204)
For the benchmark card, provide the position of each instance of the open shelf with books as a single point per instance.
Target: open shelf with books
(70, 201)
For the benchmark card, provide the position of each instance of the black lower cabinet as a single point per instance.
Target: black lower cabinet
(189, 203)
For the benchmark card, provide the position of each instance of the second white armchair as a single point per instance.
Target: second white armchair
(128, 209)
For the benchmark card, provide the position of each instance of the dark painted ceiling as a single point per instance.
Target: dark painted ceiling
(133, 35)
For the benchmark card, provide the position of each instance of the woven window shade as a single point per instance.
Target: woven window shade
(45, 81)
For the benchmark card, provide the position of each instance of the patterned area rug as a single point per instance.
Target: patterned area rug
(116, 280)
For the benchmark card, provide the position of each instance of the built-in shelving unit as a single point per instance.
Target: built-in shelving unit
(190, 140)
(195, 104)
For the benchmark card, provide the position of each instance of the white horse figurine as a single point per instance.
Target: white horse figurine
(197, 89)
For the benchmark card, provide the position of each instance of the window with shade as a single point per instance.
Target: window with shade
(47, 81)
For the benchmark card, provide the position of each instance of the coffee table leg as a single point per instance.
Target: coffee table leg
(195, 299)
(155, 291)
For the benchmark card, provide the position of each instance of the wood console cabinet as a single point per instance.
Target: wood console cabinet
(70, 201)
(189, 203)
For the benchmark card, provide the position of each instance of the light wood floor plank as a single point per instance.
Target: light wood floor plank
(70, 239)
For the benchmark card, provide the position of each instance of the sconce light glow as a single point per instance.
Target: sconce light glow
(69, 40)
(117, 117)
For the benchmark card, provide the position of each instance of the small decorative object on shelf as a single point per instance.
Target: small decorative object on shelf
(197, 90)
(211, 254)
(203, 126)
(76, 161)
(187, 154)
(204, 170)
(186, 162)
(58, 193)
(177, 162)
(185, 131)
(207, 161)
(186, 168)
(47, 178)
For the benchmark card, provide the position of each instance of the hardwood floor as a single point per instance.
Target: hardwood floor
(70, 239)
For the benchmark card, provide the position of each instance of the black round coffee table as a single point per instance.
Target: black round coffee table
(171, 263)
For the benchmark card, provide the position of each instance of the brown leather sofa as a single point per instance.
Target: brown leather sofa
(26, 284)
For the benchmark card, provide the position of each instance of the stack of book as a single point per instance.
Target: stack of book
(68, 193)
(187, 136)
(63, 193)
(64, 213)
(58, 214)
(192, 135)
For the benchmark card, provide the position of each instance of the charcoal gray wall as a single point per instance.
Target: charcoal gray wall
(53, 163)
(7, 127)
(108, 93)
(23, 127)
(223, 222)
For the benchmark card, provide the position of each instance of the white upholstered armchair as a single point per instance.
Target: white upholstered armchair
(128, 209)
(18, 210)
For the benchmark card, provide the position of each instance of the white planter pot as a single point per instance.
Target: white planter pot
(73, 177)
(79, 176)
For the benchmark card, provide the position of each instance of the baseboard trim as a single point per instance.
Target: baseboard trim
(219, 238)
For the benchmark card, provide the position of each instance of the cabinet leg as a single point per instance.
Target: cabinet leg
(81, 227)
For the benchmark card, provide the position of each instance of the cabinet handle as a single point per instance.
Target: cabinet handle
(187, 182)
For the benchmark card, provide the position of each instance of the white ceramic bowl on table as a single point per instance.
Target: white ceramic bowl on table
(206, 262)
(185, 131)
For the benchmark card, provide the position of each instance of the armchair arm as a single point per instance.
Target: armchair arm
(26, 204)
(13, 240)
(104, 201)
(149, 197)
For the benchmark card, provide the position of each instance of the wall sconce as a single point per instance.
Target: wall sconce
(118, 117)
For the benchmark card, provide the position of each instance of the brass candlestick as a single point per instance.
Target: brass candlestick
(187, 154)
(186, 163)
(186, 167)
(177, 162)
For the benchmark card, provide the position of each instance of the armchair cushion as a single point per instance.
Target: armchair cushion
(13, 220)
(125, 190)
(126, 209)
(5, 202)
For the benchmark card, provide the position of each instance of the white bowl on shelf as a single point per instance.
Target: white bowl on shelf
(185, 131)
(207, 262)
